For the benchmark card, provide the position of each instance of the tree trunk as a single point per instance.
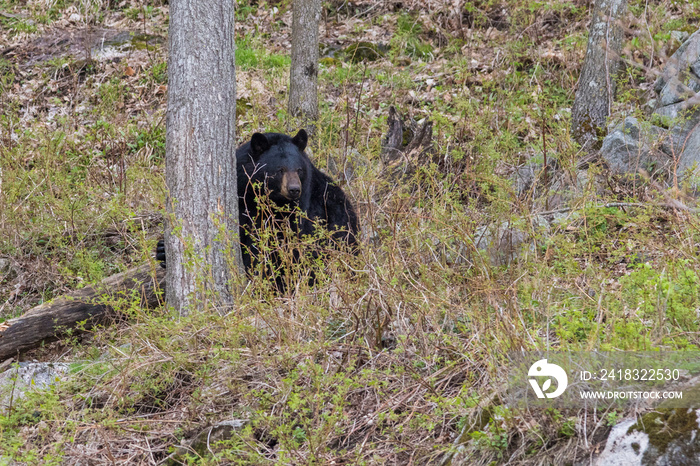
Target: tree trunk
(303, 81)
(200, 168)
(596, 85)
(49, 320)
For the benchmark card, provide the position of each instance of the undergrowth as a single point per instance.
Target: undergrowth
(391, 355)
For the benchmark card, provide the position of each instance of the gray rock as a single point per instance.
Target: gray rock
(682, 144)
(17, 380)
(676, 91)
(693, 81)
(679, 65)
(680, 36)
(629, 147)
(532, 172)
(524, 176)
(623, 448)
(695, 68)
(5, 267)
(689, 164)
(505, 242)
(502, 243)
(671, 112)
(680, 79)
(664, 437)
(552, 190)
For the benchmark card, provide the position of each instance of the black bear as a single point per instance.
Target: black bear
(275, 165)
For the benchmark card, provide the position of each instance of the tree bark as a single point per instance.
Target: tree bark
(200, 169)
(50, 320)
(303, 80)
(596, 85)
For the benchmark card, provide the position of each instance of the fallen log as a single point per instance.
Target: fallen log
(52, 319)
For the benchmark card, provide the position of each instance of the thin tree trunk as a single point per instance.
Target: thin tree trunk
(303, 81)
(596, 85)
(200, 171)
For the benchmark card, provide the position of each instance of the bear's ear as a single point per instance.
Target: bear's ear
(300, 140)
(258, 145)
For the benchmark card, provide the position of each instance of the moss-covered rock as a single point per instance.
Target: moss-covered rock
(665, 436)
(364, 51)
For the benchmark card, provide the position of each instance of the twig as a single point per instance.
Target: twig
(651, 38)
(150, 450)
(357, 111)
(544, 153)
(607, 66)
(364, 13)
(674, 204)
(109, 450)
(28, 195)
(10, 15)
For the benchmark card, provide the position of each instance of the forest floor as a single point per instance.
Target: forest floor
(388, 364)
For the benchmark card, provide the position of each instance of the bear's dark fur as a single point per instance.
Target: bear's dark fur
(276, 165)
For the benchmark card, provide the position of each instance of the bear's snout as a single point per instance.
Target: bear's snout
(291, 186)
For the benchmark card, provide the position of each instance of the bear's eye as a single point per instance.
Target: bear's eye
(280, 171)
(300, 171)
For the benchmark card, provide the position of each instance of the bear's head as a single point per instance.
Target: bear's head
(283, 163)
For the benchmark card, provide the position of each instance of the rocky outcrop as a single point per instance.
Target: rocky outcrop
(671, 147)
